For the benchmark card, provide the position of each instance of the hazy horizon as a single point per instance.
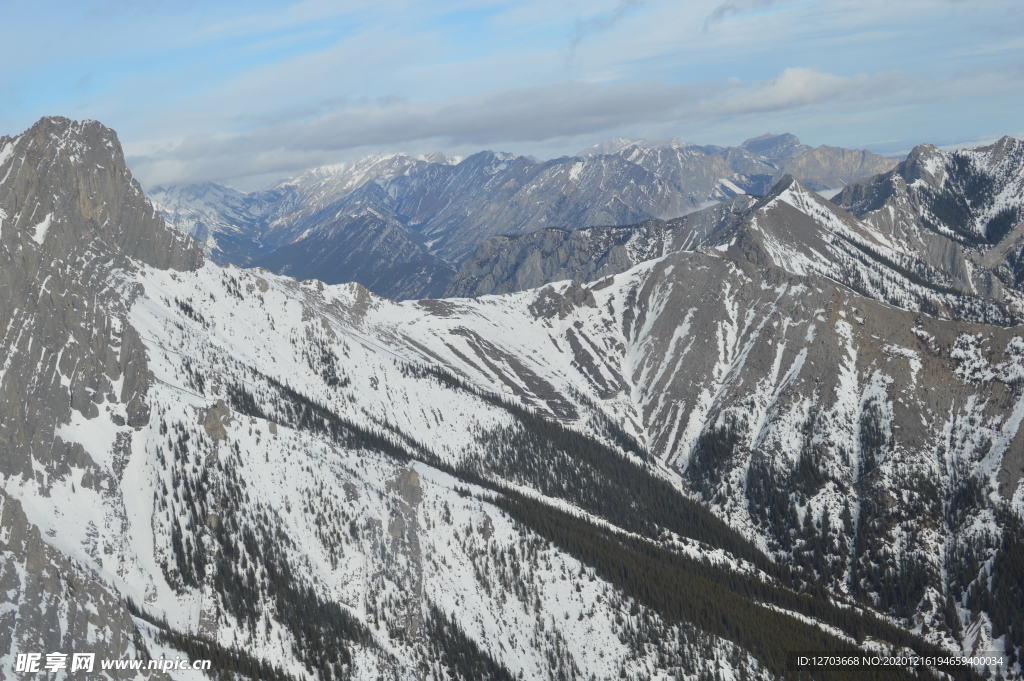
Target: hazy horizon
(246, 93)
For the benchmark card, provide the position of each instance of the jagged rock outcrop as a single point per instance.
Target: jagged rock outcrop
(953, 208)
(71, 216)
(516, 263)
(551, 303)
(49, 603)
(72, 222)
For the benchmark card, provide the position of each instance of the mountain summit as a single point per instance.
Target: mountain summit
(74, 225)
(776, 146)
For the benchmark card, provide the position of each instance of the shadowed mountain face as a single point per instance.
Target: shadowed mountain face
(222, 219)
(734, 435)
(776, 146)
(961, 211)
(366, 245)
(505, 264)
(439, 210)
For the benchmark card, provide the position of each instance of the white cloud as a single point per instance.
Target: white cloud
(736, 7)
(525, 115)
(219, 90)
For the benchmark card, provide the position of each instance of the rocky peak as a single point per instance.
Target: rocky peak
(72, 220)
(787, 181)
(774, 146)
(489, 162)
(66, 187)
(925, 162)
(71, 216)
(437, 157)
(1005, 146)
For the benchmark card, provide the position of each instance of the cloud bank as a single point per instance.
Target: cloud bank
(245, 91)
(562, 111)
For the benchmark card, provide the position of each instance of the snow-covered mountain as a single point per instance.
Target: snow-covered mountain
(225, 220)
(684, 469)
(447, 207)
(963, 211)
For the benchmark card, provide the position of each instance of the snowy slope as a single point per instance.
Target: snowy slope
(960, 211)
(761, 381)
(384, 540)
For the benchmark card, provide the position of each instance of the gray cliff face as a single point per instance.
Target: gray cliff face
(74, 172)
(962, 212)
(774, 146)
(71, 219)
(505, 264)
(72, 216)
(830, 167)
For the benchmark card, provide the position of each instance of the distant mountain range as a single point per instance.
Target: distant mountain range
(401, 225)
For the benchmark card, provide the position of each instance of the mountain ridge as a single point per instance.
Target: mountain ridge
(455, 206)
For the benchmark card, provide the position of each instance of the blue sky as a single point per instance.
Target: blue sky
(245, 92)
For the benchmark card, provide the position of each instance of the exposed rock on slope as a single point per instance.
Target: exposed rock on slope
(73, 223)
(519, 196)
(72, 217)
(515, 263)
(962, 212)
(803, 232)
(52, 603)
